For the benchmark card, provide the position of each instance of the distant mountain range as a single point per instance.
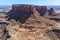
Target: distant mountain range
(55, 7)
(5, 6)
(10, 7)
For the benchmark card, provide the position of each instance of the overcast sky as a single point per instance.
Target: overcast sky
(35, 2)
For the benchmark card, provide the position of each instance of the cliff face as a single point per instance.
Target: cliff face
(41, 9)
(23, 12)
(28, 8)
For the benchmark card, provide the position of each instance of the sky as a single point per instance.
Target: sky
(34, 2)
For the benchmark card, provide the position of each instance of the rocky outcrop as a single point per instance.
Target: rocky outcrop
(34, 27)
(51, 10)
(23, 12)
(41, 9)
(4, 34)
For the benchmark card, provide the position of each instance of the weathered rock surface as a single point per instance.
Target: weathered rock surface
(32, 30)
(41, 9)
(4, 34)
(23, 12)
(35, 27)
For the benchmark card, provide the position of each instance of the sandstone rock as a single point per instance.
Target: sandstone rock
(21, 12)
(35, 27)
(41, 9)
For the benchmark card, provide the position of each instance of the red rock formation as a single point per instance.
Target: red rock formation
(41, 9)
(28, 8)
(22, 8)
(23, 12)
